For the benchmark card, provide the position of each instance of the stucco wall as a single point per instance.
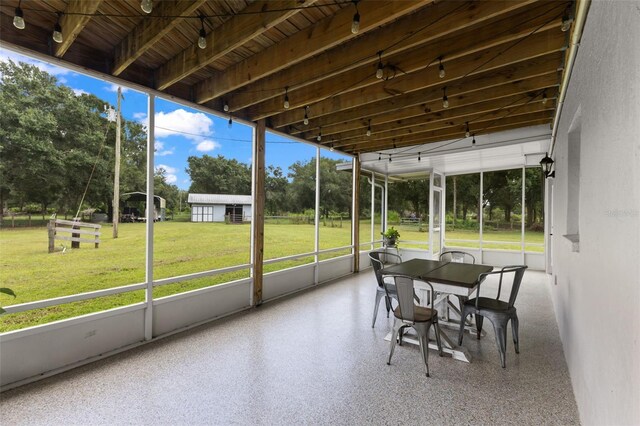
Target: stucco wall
(596, 291)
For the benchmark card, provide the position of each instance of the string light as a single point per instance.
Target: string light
(286, 97)
(441, 72)
(473, 142)
(146, 6)
(544, 98)
(319, 138)
(419, 157)
(369, 128)
(331, 147)
(380, 70)
(379, 157)
(230, 122)
(306, 115)
(389, 157)
(18, 18)
(226, 107)
(57, 30)
(445, 99)
(466, 133)
(355, 24)
(566, 23)
(202, 40)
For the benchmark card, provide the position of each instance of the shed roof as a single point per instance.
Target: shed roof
(219, 199)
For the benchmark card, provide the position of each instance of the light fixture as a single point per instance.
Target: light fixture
(306, 115)
(379, 157)
(369, 129)
(566, 23)
(355, 24)
(380, 70)
(226, 107)
(389, 157)
(202, 39)
(473, 142)
(419, 156)
(331, 147)
(18, 18)
(544, 98)
(445, 99)
(319, 138)
(546, 164)
(230, 122)
(441, 72)
(286, 97)
(57, 30)
(466, 133)
(146, 6)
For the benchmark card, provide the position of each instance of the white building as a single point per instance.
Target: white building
(220, 207)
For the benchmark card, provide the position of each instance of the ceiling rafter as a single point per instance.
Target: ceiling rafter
(164, 17)
(74, 19)
(321, 36)
(258, 18)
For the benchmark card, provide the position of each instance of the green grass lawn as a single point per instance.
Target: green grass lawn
(179, 248)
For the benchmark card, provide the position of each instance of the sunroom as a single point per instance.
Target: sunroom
(431, 117)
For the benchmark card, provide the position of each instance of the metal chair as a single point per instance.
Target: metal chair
(457, 256)
(378, 260)
(497, 311)
(407, 314)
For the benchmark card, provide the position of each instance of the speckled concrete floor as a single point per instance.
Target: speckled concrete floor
(313, 359)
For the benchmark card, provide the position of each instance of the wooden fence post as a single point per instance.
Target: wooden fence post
(52, 234)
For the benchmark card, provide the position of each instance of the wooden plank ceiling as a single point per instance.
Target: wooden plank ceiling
(502, 61)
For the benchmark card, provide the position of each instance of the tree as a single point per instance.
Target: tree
(276, 188)
(218, 175)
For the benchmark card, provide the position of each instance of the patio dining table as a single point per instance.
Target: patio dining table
(447, 278)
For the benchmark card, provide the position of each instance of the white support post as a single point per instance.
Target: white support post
(385, 207)
(523, 217)
(150, 214)
(443, 213)
(481, 212)
(317, 218)
(373, 207)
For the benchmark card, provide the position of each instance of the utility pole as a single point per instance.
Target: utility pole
(116, 174)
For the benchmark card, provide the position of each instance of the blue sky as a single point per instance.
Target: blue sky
(181, 131)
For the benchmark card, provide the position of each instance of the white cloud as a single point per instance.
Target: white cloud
(161, 151)
(169, 172)
(194, 126)
(79, 92)
(207, 145)
(141, 117)
(5, 55)
(114, 88)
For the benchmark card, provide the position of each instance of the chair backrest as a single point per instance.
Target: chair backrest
(518, 273)
(377, 266)
(457, 256)
(405, 292)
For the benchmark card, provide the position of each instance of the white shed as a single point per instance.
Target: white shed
(220, 207)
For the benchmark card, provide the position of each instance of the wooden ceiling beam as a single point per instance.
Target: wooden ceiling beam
(455, 51)
(323, 35)
(75, 17)
(257, 18)
(517, 74)
(452, 116)
(362, 50)
(446, 133)
(491, 59)
(431, 110)
(163, 18)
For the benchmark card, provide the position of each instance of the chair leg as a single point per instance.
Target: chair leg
(375, 308)
(501, 341)
(394, 337)
(387, 302)
(461, 333)
(479, 320)
(436, 329)
(514, 332)
(423, 338)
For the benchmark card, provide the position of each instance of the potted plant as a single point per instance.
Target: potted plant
(390, 237)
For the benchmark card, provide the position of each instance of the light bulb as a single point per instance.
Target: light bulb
(418, 156)
(331, 149)
(467, 134)
(202, 40)
(544, 99)
(57, 33)
(286, 102)
(368, 132)
(379, 71)
(230, 122)
(18, 19)
(355, 25)
(441, 72)
(445, 102)
(319, 138)
(226, 107)
(566, 24)
(146, 6)
(473, 142)
(389, 157)
(306, 120)
(379, 157)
